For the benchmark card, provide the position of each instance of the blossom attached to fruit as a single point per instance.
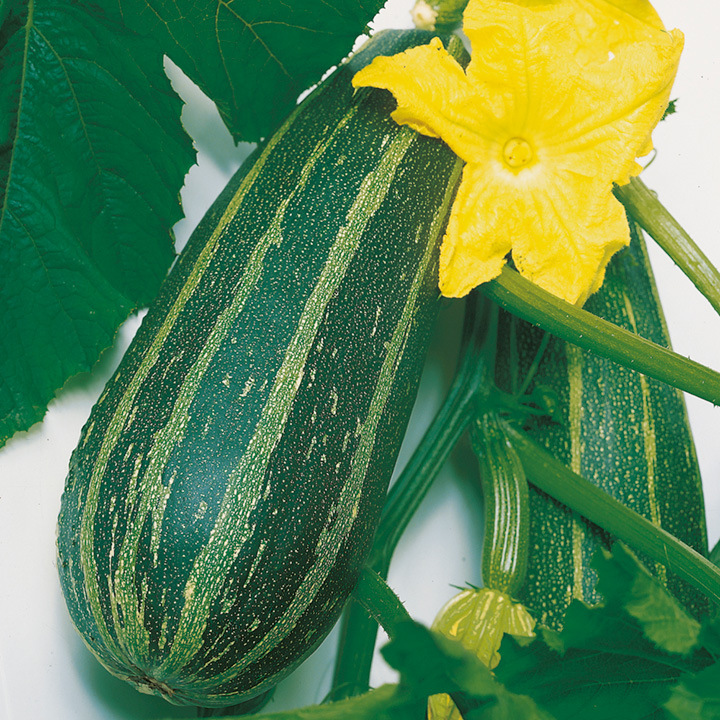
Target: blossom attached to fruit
(559, 100)
(479, 619)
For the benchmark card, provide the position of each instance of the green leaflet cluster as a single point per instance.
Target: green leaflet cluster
(92, 158)
(638, 651)
(252, 59)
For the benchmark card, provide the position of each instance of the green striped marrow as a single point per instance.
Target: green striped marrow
(625, 432)
(227, 485)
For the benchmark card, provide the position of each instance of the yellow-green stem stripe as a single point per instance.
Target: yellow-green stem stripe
(649, 444)
(575, 377)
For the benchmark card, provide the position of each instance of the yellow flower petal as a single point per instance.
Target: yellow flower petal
(557, 103)
(562, 233)
(432, 92)
(534, 62)
(623, 21)
(569, 238)
(478, 235)
(478, 619)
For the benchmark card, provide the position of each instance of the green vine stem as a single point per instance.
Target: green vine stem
(384, 606)
(474, 374)
(379, 601)
(530, 302)
(644, 206)
(358, 631)
(580, 495)
(356, 647)
(464, 399)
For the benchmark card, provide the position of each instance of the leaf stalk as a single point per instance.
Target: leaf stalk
(553, 477)
(652, 216)
(530, 302)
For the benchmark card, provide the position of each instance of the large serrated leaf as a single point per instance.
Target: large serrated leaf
(252, 57)
(620, 658)
(92, 157)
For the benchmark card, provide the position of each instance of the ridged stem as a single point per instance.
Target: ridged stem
(507, 508)
(644, 206)
(356, 647)
(554, 478)
(358, 631)
(529, 302)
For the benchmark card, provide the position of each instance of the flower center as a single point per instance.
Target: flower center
(517, 152)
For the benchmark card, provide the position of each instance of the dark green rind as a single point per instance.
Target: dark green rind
(228, 483)
(609, 419)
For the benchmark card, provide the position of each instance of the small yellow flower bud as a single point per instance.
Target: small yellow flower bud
(478, 619)
(423, 15)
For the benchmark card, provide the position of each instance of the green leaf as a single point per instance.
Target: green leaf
(385, 703)
(436, 664)
(430, 664)
(626, 653)
(671, 109)
(92, 158)
(4, 11)
(623, 581)
(629, 657)
(696, 697)
(252, 57)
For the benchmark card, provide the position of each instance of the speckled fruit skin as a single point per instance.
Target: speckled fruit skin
(625, 432)
(228, 483)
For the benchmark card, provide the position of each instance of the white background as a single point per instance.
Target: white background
(45, 671)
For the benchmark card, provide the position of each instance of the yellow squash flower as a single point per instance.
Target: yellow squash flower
(558, 101)
(478, 619)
